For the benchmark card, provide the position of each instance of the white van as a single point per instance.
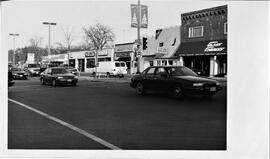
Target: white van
(111, 68)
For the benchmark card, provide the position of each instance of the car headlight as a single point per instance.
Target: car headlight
(59, 77)
(218, 84)
(15, 74)
(197, 84)
(76, 77)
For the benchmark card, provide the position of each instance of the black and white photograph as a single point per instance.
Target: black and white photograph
(134, 79)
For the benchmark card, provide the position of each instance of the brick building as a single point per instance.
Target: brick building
(204, 41)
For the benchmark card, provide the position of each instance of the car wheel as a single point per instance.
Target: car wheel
(54, 83)
(208, 96)
(177, 91)
(107, 74)
(42, 81)
(140, 89)
(74, 84)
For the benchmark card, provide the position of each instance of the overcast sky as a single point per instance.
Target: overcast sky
(26, 17)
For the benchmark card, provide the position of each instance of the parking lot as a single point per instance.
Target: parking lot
(108, 114)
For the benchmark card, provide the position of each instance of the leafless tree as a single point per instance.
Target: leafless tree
(99, 35)
(35, 42)
(69, 36)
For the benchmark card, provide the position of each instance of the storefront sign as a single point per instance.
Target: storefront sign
(122, 54)
(89, 54)
(162, 50)
(103, 53)
(124, 48)
(214, 46)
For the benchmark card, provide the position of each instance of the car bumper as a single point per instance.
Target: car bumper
(66, 81)
(19, 76)
(202, 90)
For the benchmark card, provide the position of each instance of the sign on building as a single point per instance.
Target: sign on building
(30, 58)
(134, 16)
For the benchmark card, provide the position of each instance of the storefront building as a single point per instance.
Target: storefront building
(161, 48)
(125, 52)
(84, 61)
(204, 41)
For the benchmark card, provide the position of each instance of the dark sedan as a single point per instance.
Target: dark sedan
(19, 73)
(179, 80)
(58, 75)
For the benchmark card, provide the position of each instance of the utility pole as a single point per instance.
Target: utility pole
(11, 34)
(138, 34)
(49, 49)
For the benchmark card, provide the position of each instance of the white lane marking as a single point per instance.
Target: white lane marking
(80, 131)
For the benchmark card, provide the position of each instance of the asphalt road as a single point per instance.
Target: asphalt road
(97, 113)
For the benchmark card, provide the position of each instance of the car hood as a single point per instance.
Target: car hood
(195, 79)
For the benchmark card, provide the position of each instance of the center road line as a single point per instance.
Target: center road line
(80, 131)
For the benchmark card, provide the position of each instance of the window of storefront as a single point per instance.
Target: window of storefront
(196, 31)
(158, 63)
(164, 62)
(170, 62)
(90, 63)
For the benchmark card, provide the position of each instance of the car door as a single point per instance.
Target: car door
(148, 79)
(162, 80)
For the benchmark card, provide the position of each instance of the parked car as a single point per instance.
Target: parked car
(58, 75)
(179, 80)
(33, 69)
(72, 70)
(10, 79)
(19, 73)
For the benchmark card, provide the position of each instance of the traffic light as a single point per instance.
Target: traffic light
(144, 43)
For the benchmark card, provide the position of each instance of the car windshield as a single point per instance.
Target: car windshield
(181, 71)
(17, 69)
(59, 71)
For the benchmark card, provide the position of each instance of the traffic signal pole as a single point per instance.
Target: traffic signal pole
(138, 34)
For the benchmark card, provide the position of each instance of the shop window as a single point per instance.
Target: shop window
(170, 62)
(196, 31)
(90, 63)
(158, 63)
(164, 62)
(225, 28)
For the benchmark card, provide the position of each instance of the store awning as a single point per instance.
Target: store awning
(213, 47)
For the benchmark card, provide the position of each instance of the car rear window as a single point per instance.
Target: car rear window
(117, 64)
(59, 71)
(123, 64)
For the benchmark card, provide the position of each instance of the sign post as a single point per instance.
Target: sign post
(139, 19)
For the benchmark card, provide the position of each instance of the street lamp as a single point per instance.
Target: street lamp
(11, 34)
(49, 51)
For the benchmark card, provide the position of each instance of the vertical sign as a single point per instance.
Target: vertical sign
(144, 16)
(134, 19)
(134, 16)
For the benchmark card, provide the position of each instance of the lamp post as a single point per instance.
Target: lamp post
(49, 50)
(11, 34)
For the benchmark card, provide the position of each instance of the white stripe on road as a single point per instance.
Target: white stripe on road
(80, 131)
